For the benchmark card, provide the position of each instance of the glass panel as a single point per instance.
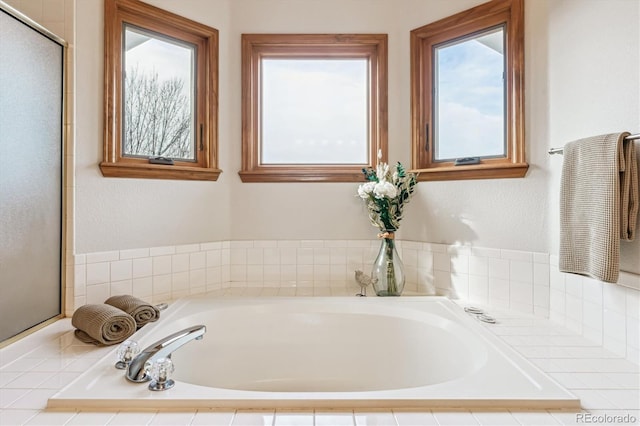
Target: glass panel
(314, 111)
(159, 96)
(31, 154)
(469, 100)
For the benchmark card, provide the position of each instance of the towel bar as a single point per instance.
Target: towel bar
(561, 150)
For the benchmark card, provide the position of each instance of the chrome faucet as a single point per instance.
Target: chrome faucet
(139, 367)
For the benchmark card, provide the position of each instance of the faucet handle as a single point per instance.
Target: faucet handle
(139, 367)
(161, 371)
(126, 351)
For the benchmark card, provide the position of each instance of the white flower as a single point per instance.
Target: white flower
(381, 171)
(385, 189)
(366, 189)
(385, 193)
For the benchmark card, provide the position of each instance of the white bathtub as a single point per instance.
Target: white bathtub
(407, 352)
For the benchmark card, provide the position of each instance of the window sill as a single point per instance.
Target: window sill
(476, 171)
(158, 171)
(301, 175)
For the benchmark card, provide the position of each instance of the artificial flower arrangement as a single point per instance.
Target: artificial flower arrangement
(385, 193)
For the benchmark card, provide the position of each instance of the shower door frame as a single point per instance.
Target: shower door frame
(64, 176)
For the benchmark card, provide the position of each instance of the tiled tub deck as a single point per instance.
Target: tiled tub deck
(33, 369)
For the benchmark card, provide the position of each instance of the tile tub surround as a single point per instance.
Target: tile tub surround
(525, 282)
(506, 279)
(37, 366)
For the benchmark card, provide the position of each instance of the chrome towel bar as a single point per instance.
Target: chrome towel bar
(561, 150)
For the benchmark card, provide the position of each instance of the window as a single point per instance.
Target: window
(161, 86)
(313, 106)
(467, 79)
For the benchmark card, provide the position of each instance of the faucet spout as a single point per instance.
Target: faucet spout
(138, 370)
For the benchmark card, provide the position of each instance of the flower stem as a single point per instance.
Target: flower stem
(392, 285)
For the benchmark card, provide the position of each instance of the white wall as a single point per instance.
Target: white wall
(582, 78)
(516, 214)
(114, 213)
(324, 210)
(505, 213)
(594, 78)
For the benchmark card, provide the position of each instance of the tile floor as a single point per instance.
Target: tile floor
(36, 367)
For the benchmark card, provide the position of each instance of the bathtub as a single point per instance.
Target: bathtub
(325, 352)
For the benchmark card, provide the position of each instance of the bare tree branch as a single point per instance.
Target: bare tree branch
(157, 118)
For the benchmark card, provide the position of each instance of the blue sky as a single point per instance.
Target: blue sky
(470, 100)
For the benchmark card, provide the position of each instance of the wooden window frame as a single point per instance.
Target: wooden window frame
(205, 39)
(509, 13)
(305, 46)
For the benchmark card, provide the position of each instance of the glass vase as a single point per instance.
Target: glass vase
(388, 271)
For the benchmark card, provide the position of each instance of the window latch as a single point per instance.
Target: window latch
(161, 160)
(466, 160)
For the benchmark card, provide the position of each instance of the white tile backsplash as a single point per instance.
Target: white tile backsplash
(459, 263)
(161, 265)
(434, 247)
(409, 257)
(592, 313)
(527, 282)
(142, 267)
(603, 312)
(498, 268)
(521, 271)
(524, 256)
(134, 253)
(255, 256)
(573, 285)
(103, 256)
(459, 286)
(187, 248)
(478, 266)
(197, 260)
(121, 270)
(215, 245)
(304, 256)
(442, 281)
(179, 262)
(161, 284)
(499, 292)
(142, 287)
(592, 290)
(97, 293)
(79, 275)
(121, 287)
(97, 273)
(312, 243)
(162, 251)
(442, 262)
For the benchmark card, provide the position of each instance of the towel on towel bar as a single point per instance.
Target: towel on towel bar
(598, 204)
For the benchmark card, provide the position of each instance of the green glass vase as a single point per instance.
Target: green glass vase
(388, 271)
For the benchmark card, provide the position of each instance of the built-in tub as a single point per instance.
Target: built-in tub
(331, 352)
